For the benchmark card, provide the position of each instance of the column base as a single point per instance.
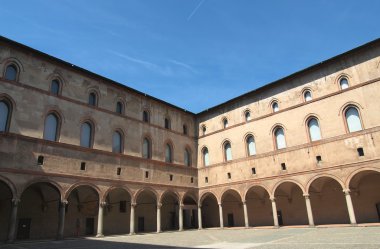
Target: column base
(132, 233)
(354, 224)
(180, 230)
(99, 235)
(312, 226)
(276, 226)
(59, 238)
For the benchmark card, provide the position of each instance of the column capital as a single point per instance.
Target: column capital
(347, 191)
(244, 202)
(133, 204)
(273, 199)
(219, 203)
(64, 202)
(15, 201)
(102, 204)
(181, 205)
(307, 196)
(159, 205)
(199, 206)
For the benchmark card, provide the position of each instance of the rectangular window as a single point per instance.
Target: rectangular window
(82, 166)
(192, 180)
(206, 179)
(40, 160)
(118, 172)
(123, 207)
(146, 174)
(360, 151)
(229, 175)
(171, 177)
(253, 171)
(319, 159)
(283, 166)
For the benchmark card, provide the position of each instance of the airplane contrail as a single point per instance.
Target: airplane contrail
(195, 10)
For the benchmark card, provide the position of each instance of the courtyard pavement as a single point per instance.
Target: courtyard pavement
(237, 238)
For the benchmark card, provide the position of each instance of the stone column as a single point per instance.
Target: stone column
(61, 219)
(274, 210)
(221, 215)
(309, 210)
(100, 219)
(13, 220)
(246, 221)
(132, 219)
(159, 205)
(350, 207)
(199, 217)
(180, 217)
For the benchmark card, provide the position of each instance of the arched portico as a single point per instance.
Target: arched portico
(6, 196)
(232, 208)
(364, 186)
(290, 202)
(83, 211)
(259, 206)
(117, 211)
(328, 201)
(38, 216)
(190, 211)
(209, 210)
(169, 211)
(146, 211)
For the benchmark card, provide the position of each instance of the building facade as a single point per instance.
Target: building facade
(82, 155)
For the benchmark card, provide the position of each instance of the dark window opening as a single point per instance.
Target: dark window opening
(83, 166)
(192, 180)
(167, 123)
(92, 99)
(123, 207)
(229, 175)
(206, 179)
(360, 151)
(253, 171)
(40, 160)
(118, 171)
(146, 174)
(119, 108)
(283, 166)
(319, 159)
(185, 129)
(171, 177)
(146, 116)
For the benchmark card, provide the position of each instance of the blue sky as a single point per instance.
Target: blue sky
(192, 53)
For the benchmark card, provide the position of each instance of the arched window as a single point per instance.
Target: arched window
(203, 130)
(227, 151)
(11, 73)
(167, 123)
(117, 142)
(54, 87)
(187, 158)
(146, 116)
(119, 108)
(205, 157)
(343, 82)
(307, 95)
(51, 129)
(280, 138)
(92, 99)
(86, 135)
(275, 107)
(5, 114)
(251, 146)
(314, 130)
(146, 153)
(353, 119)
(168, 154)
(225, 123)
(185, 129)
(247, 115)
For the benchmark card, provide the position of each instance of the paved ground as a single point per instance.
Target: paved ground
(305, 238)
